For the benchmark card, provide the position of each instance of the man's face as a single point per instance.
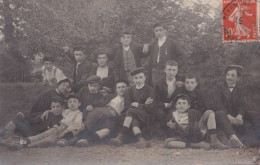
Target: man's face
(48, 65)
(159, 31)
(93, 87)
(139, 79)
(121, 88)
(232, 77)
(64, 88)
(79, 56)
(126, 39)
(73, 104)
(102, 59)
(171, 71)
(190, 84)
(182, 105)
(56, 107)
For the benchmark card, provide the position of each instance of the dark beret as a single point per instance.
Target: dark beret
(137, 71)
(93, 79)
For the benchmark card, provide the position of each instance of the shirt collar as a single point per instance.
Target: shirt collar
(168, 81)
(139, 87)
(126, 48)
(162, 40)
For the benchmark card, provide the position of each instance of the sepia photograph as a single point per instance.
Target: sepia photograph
(129, 82)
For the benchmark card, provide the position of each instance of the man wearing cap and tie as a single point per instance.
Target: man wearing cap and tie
(231, 109)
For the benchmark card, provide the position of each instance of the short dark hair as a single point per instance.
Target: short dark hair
(192, 76)
(171, 63)
(79, 48)
(75, 96)
(158, 24)
(183, 97)
(125, 32)
(47, 58)
(122, 81)
(57, 99)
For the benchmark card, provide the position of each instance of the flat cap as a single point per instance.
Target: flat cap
(63, 79)
(137, 71)
(93, 79)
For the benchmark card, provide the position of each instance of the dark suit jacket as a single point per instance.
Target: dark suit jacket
(118, 65)
(161, 92)
(197, 100)
(170, 50)
(108, 81)
(230, 102)
(83, 72)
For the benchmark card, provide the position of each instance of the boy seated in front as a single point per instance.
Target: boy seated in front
(71, 123)
(139, 107)
(188, 129)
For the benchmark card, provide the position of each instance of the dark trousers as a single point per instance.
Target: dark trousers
(224, 124)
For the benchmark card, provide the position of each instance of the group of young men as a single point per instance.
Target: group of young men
(100, 105)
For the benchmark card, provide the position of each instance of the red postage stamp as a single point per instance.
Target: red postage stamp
(240, 20)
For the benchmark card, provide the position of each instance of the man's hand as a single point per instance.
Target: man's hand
(149, 100)
(232, 120)
(179, 84)
(168, 105)
(145, 48)
(171, 125)
(239, 119)
(45, 115)
(89, 108)
(135, 104)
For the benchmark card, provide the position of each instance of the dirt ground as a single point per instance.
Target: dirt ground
(125, 155)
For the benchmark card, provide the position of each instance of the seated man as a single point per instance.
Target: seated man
(231, 109)
(34, 117)
(101, 121)
(188, 129)
(192, 90)
(139, 107)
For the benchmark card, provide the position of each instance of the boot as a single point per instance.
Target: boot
(119, 140)
(175, 145)
(200, 145)
(235, 142)
(82, 143)
(142, 143)
(216, 144)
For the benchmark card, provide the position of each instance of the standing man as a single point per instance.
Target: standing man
(127, 57)
(160, 51)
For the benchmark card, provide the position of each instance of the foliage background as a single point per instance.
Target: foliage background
(33, 26)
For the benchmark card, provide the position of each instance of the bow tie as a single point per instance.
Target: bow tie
(231, 86)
